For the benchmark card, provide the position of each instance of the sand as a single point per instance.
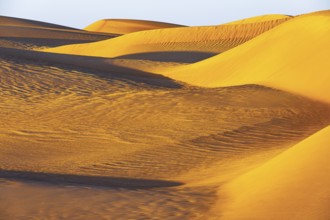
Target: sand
(289, 64)
(28, 34)
(89, 133)
(125, 26)
(183, 44)
(284, 186)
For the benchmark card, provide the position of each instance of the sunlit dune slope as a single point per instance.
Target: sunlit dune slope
(293, 185)
(261, 18)
(292, 57)
(199, 40)
(125, 26)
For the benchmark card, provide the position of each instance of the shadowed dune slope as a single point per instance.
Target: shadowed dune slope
(296, 181)
(208, 39)
(291, 57)
(125, 26)
(22, 33)
(11, 21)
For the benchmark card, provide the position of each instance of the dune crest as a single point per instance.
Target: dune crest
(125, 26)
(207, 39)
(290, 57)
(293, 185)
(261, 18)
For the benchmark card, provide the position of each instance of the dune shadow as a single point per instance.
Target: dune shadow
(102, 67)
(170, 56)
(49, 42)
(84, 180)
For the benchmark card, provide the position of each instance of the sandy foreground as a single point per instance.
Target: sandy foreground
(147, 120)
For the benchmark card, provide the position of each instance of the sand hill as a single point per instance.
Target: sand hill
(287, 57)
(22, 33)
(293, 185)
(125, 26)
(141, 137)
(179, 44)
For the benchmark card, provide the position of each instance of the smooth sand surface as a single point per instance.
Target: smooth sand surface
(125, 26)
(290, 57)
(293, 185)
(149, 137)
(194, 41)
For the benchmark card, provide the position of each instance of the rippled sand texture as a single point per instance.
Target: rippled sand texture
(133, 127)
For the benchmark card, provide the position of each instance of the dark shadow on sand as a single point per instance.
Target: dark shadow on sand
(99, 66)
(170, 56)
(94, 181)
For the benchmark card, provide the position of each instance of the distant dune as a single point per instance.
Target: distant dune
(196, 42)
(20, 22)
(125, 26)
(22, 33)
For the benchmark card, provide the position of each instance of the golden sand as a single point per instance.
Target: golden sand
(133, 127)
(125, 26)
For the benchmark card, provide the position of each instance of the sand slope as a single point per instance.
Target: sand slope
(293, 185)
(291, 57)
(198, 41)
(87, 137)
(261, 18)
(22, 33)
(125, 26)
(11, 21)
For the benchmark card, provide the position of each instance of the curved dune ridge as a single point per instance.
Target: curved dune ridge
(293, 185)
(125, 26)
(208, 39)
(291, 57)
(261, 18)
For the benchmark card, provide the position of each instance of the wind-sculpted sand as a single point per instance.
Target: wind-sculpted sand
(158, 136)
(188, 44)
(125, 26)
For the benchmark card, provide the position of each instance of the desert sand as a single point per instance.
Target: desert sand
(126, 26)
(133, 119)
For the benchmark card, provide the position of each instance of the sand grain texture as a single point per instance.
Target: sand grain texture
(138, 127)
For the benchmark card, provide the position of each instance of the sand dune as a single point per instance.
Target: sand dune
(290, 57)
(195, 40)
(293, 185)
(261, 18)
(126, 128)
(22, 33)
(125, 26)
(101, 128)
(11, 21)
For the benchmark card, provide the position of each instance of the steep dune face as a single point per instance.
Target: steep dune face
(125, 26)
(293, 185)
(198, 40)
(291, 57)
